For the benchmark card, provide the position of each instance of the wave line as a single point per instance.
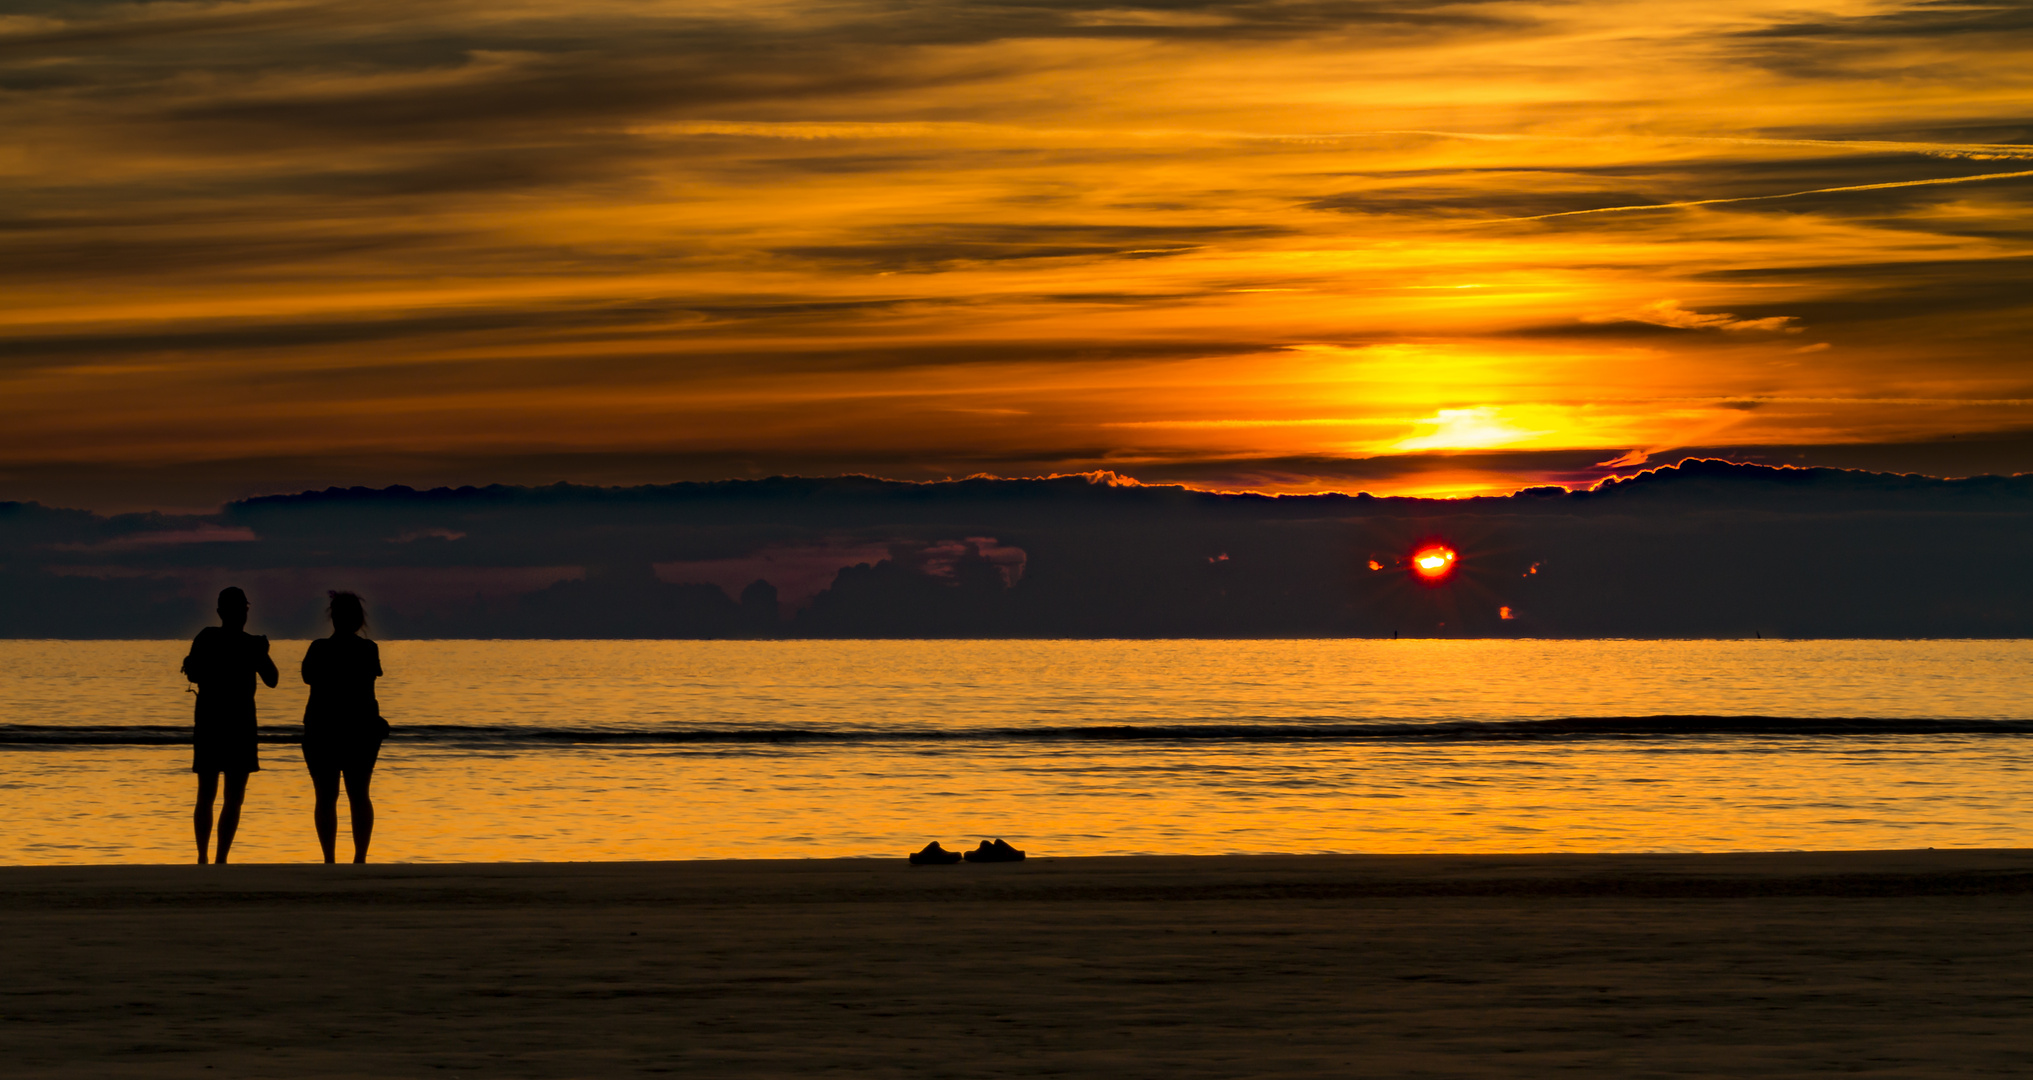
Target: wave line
(1580, 728)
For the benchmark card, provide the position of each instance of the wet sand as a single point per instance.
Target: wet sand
(1915, 963)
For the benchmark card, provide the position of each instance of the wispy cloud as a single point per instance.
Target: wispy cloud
(1670, 313)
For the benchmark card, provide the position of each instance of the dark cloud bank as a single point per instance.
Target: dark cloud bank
(1705, 548)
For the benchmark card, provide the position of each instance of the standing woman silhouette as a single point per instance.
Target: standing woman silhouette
(224, 660)
(343, 728)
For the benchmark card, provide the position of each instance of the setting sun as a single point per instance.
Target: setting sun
(1433, 562)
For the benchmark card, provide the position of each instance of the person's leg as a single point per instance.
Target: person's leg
(357, 782)
(229, 814)
(201, 819)
(325, 812)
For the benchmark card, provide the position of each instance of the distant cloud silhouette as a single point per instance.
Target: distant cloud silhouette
(1701, 548)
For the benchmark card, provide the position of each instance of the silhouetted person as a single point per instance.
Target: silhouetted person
(343, 728)
(224, 661)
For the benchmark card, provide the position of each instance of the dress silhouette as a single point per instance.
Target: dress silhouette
(224, 661)
(343, 728)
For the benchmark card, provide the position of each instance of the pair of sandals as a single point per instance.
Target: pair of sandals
(995, 851)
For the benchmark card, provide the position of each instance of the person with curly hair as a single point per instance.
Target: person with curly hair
(343, 728)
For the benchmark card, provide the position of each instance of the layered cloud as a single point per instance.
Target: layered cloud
(266, 245)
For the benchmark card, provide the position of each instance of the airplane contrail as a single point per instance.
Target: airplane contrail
(1964, 150)
(1761, 198)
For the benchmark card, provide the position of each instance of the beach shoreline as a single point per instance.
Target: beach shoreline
(1880, 963)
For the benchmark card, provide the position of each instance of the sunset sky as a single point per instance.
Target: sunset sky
(1406, 247)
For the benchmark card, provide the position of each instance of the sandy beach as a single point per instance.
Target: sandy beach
(1908, 963)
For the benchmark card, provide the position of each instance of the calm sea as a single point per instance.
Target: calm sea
(564, 750)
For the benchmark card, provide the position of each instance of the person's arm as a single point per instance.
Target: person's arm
(265, 665)
(310, 664)
(192, 667)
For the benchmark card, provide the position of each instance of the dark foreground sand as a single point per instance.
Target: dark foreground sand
(1873, 963)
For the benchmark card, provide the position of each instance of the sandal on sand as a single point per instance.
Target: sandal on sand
(995, 852)
(934, 855)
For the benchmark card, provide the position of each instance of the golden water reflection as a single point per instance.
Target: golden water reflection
(448, 801)
(130, 804)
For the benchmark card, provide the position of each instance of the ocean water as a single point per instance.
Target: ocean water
(577, 750)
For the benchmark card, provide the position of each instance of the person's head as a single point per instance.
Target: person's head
(232, 607)
(347, 612)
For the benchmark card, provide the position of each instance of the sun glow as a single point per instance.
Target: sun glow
(1433, 562)
(1468, 429)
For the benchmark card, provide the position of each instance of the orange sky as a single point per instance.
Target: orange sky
(1405, 247)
